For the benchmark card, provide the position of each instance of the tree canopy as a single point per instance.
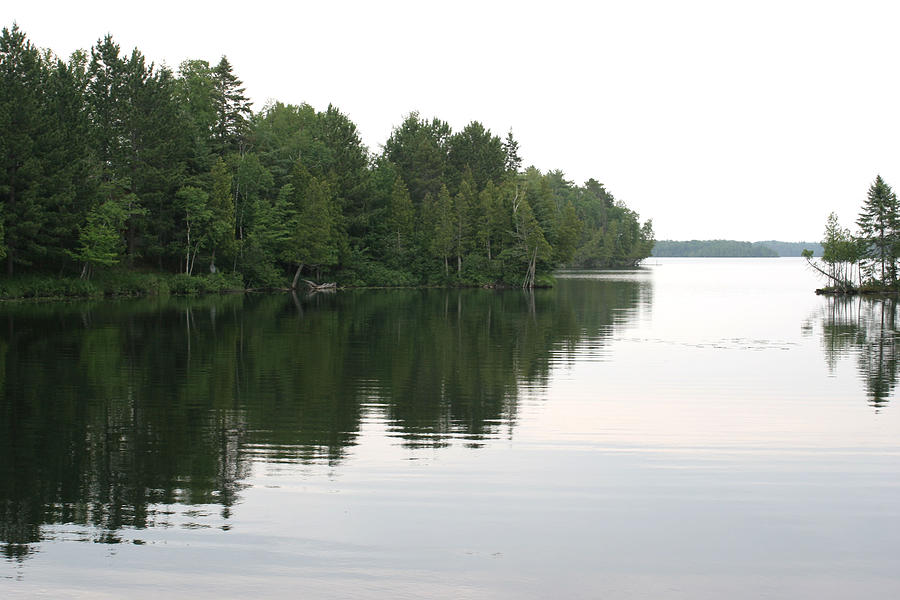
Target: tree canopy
(110, 161)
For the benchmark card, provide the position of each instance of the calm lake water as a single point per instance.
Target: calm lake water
(696, 428)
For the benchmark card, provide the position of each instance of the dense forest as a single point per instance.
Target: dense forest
(111, 163)
(733, 248)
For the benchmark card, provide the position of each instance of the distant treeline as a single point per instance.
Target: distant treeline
(733, 248)
(109, 161)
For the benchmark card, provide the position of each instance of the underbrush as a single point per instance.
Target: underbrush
(117, 283)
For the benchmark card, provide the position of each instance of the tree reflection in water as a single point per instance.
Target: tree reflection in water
(112, 413)
(866, 329)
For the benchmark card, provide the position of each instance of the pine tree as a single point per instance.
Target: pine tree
(21, 126)
(232, 109)
(879, 226)
(511, 149)
(67, 182)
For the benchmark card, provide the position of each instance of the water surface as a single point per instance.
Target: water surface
(697, 428)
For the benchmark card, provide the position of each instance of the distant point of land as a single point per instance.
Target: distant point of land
(733, 248)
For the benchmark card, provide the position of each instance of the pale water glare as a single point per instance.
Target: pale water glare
(695, 428)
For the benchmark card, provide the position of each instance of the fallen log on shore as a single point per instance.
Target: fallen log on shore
(320, 287)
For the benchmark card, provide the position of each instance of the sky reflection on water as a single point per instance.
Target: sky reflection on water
(692, 429)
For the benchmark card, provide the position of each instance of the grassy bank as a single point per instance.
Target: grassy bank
(118, 283)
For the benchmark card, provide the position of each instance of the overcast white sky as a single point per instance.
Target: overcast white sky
(716, 119)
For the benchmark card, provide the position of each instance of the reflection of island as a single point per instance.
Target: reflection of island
(864, 328)
(111, 413)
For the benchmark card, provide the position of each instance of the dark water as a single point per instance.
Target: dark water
(692, 429)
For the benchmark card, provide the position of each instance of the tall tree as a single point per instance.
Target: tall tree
(511, 149)
(197, 93)
(477, 151)
(879, 226)
(21, 126)
(418, 149)
(232, 109)
(68, 182)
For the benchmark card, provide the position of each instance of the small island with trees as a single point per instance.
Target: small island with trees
(865, 262)
(120, 176)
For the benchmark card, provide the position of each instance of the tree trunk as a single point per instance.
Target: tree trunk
(194, 258)
(844, 286)
(296, 276)
(187, 256)
(530, 273)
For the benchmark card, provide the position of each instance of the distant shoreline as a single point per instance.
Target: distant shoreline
(732, 249)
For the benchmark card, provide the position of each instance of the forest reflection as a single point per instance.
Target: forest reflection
(112, 411)
(864, 328)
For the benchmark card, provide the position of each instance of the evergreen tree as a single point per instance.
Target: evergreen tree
(106, 156)
(68, 182)
(418, 149)
(475, 151)
(232, 109)
(879, 226)
(21, 126)
(511, 148)
(196, 95)
(401, 214)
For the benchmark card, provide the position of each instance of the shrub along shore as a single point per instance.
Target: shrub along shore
(117, 284)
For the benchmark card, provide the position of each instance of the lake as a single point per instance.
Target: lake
(695, 428)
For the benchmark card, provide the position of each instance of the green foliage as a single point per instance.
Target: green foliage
(197, 215)
(36, 286)
(100, 241)
(401, 213)
(183, 284)
(108, 160)
(220, 231)
(842, 252)
(713, 248)
(879, 228)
